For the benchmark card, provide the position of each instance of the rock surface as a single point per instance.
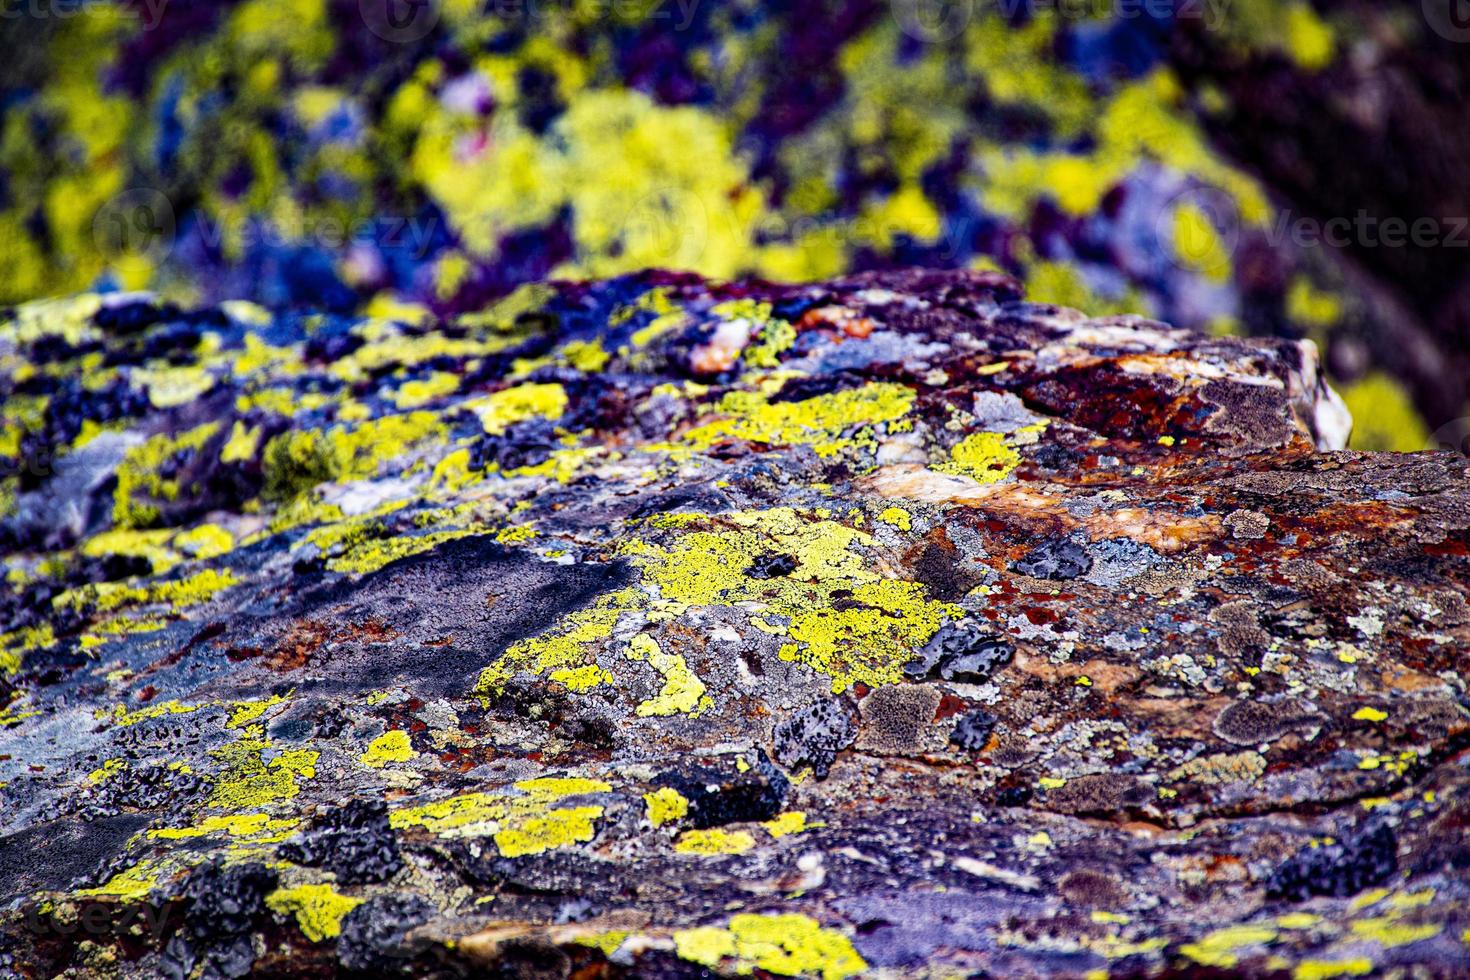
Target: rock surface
(651, 626)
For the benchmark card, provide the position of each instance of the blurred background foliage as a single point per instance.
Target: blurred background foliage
(416, 158)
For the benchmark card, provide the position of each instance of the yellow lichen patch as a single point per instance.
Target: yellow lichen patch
(790, 822)
(15, 644)
(558, 828)
(457, 813)
(132, 884)
(1220, 948)
(864, 639)
(606, 942)
(1369, 714)
(898, 517)
(248, 780)
(259, 827)
(682, 693)
(502, 409)
(138, 479)
(170, 387)
(151, 545)
(295, 462)
(714, 841)
(180, 594)
(318, 909)
(370, 555)
(243, 713)
(121, 716)
(565, 647)
(817, 422)
(788, 945)
(1389, 932)
(421, 391)
(520, 824)
(242, 444)
(988, 457)
(665, 805)
(391, 746)
(1327, 969)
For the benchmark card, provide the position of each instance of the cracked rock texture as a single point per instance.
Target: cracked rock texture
(657, 626)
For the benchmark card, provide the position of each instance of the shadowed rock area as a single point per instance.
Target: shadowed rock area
(663, 627)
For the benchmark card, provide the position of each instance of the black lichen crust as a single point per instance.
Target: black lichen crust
(653, 626)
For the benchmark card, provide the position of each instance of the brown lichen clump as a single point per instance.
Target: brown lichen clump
(656, 626)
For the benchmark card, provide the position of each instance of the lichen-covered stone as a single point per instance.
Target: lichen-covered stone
(654, 626)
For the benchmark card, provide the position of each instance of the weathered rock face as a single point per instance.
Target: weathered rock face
(655, 625)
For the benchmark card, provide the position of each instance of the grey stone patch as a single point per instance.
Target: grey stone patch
(1117, 560)
(1001, 411)
(880, 347)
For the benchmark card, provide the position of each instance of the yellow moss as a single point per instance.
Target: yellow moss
(318, 909)
(412, 394)
(391, 746)
(788, 945)
(714, 841)
(1369, 714)
(665, 805)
